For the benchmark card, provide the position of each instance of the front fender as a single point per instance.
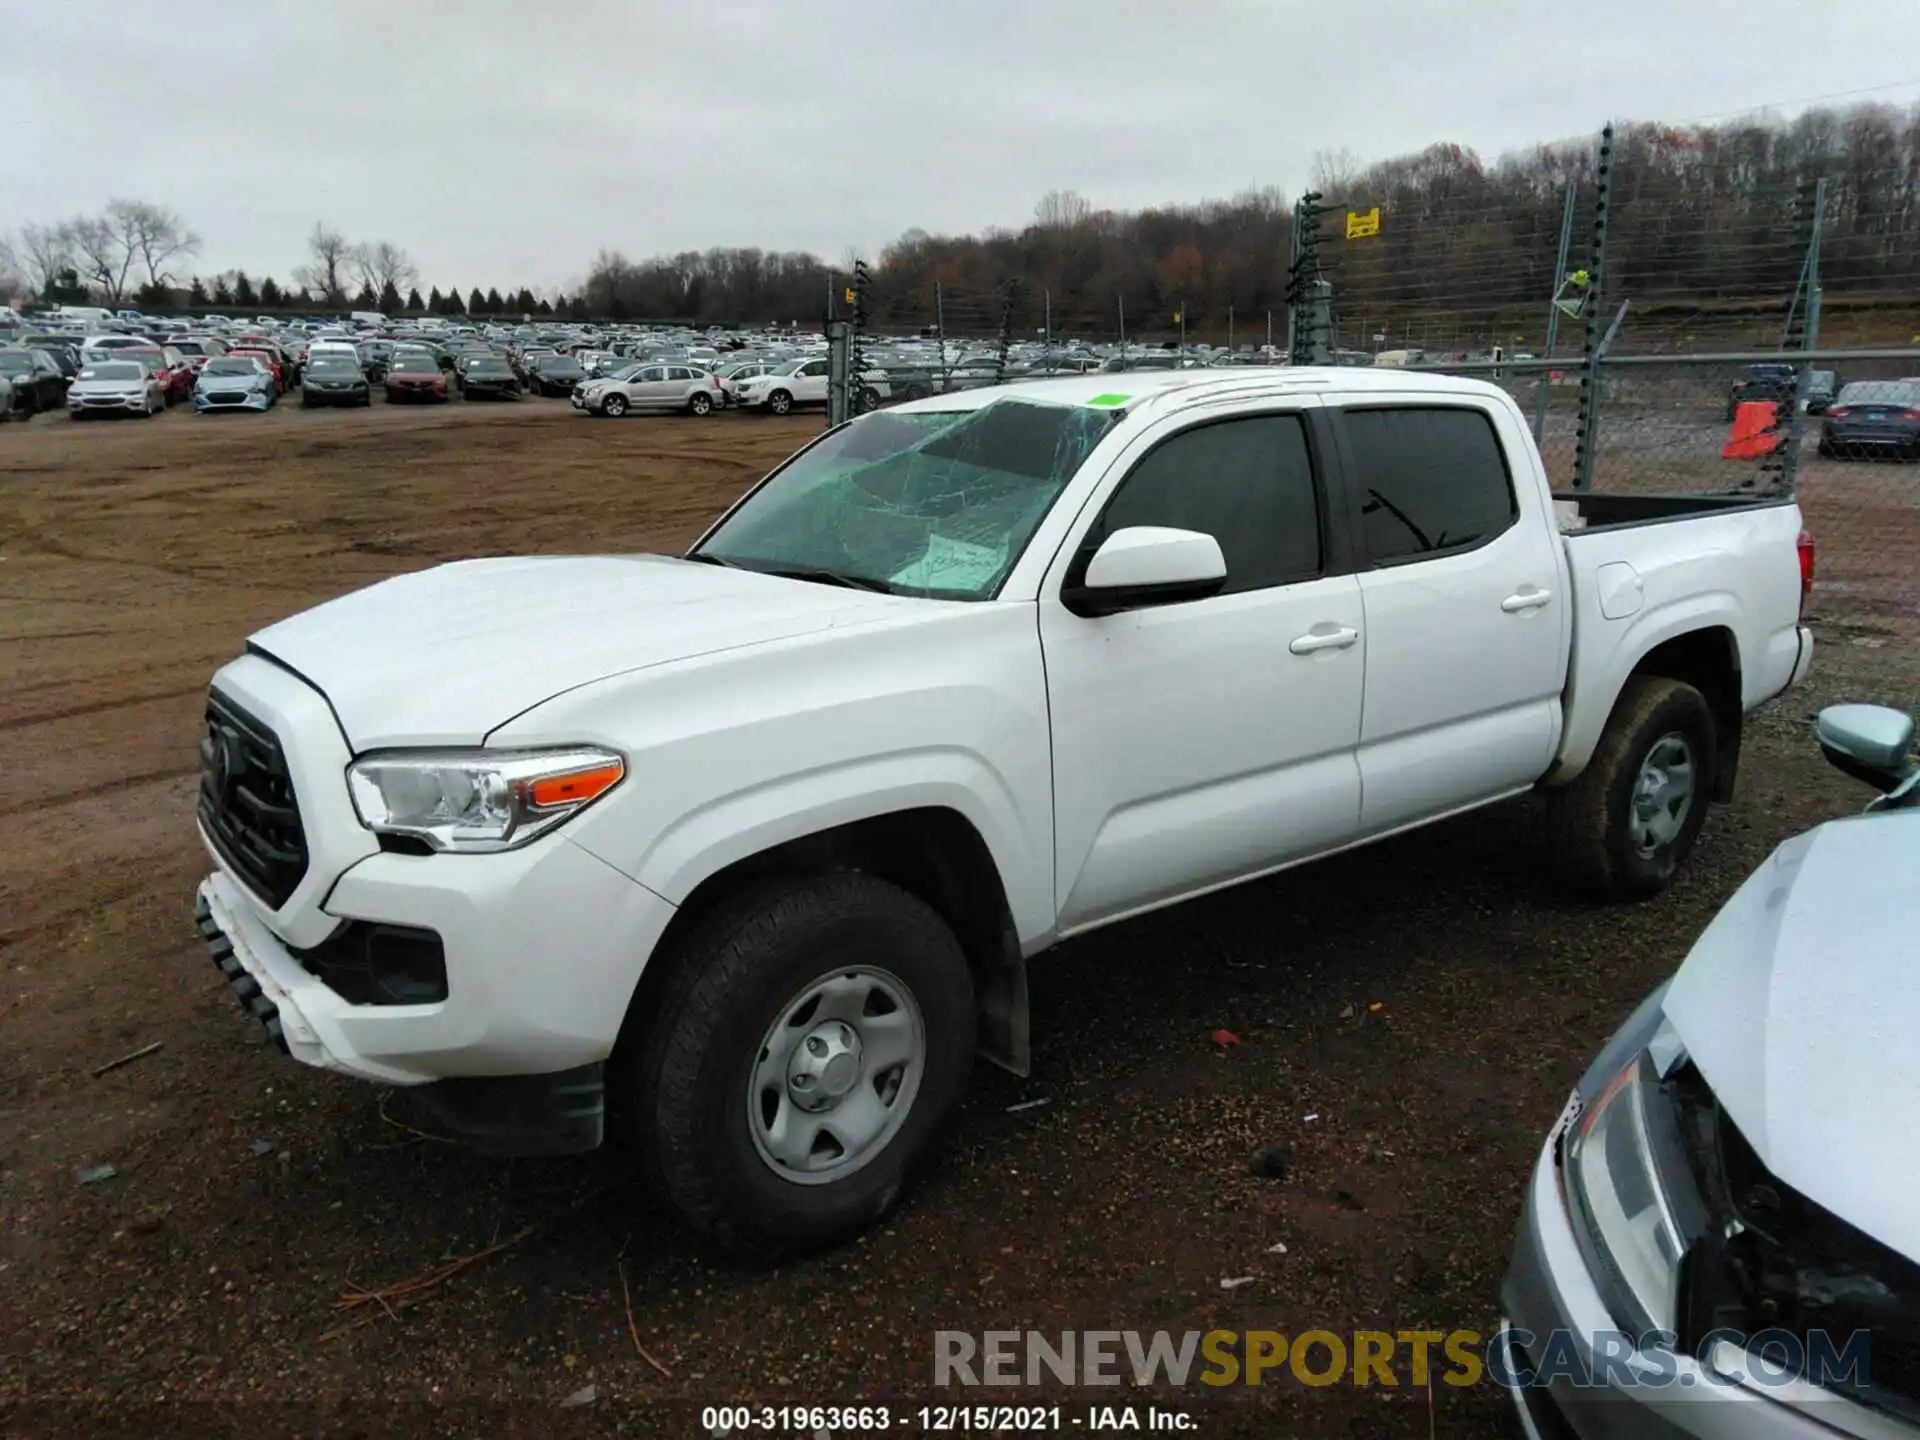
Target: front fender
(735, 826)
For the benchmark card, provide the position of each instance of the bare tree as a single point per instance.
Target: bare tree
(12, 272)
(102, 255)
(1062, 210)
(1335, 171)
(153, 235)
(329, 254)
(380, 265)
(45, 251)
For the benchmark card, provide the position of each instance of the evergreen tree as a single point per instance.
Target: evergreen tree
(270, 296)
(454, 307)
(476, 302)
(243, 293)
(222, 292)
(389, 299)
(545, 307)
(495, 305)
(414, 303)
(523, 302)
(436, 302)
(366, 299)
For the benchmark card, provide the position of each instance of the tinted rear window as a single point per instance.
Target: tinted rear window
(1431, 479)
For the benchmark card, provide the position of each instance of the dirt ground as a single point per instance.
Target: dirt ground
(198, 1288)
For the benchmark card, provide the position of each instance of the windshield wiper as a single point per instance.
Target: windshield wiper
(832, 577)
(819, 574)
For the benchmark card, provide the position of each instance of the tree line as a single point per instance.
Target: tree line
(1699, 215)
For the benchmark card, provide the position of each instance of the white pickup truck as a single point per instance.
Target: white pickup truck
(749, 848)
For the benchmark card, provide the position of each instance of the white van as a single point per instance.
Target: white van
(85, 317)
(371, 319)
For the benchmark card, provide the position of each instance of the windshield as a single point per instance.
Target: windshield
(414, 365)
(323, 364)
(1880, 392)
(489, 367)
(933, 503)
(111, 372)
(231, 367)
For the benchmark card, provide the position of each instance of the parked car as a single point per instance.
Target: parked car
(235, 382)
(34, 380)
(415, 376)
(274, 359)
(554, 374)
(198, 349)
(651, 387)
(488, 377)
(786, 816)
(116, 387)
(799, 383)
(1873, 419)
(1733, 1174)
(1819, 393)
(334, 377)
(1767, 382)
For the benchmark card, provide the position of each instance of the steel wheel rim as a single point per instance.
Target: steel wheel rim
(836, 1075)
(1663, 794)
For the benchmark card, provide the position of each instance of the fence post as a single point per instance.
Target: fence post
(1007, 292)
(1553, 315)
(1587, 431)
(839, 347)
(856, 345)
(1809, 341)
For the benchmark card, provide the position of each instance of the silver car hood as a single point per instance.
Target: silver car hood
(1800, 1004)
(106, 387)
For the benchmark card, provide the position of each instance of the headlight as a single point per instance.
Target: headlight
(479, 800)
(1625, 1182)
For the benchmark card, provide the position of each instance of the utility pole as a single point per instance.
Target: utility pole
(1049, 346)
(1229, 329)
(1123, 325)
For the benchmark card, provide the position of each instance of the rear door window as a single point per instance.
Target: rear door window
(1433, 480)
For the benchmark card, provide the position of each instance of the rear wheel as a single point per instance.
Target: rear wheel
(1622, 828)
(701, 403)
(813, 1038)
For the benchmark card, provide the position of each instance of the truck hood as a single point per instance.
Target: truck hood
(444, 656)
(1800, 1005)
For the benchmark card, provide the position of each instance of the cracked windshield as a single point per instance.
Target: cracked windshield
(938, 504)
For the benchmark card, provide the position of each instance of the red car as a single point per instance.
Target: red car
(412, 377)
(176, 376)
(269, 358)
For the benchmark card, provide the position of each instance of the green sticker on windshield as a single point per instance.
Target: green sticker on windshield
(1109, 400)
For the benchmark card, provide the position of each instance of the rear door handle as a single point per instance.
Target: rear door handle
(1338, 639)
(1526, 600)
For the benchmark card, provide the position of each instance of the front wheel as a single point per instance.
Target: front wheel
(780, 403)
(813, 1037)
(614, 406)
(1621, 830)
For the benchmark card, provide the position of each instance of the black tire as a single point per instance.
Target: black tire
(779, 402)
(1589, 821)
(689, 1078)
(613, 406)
(700, 403)
(869, 400)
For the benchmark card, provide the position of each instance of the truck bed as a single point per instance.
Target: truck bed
(1577, 510)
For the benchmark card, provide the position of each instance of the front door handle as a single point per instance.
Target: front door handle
(1526, 600)
(1337, 639)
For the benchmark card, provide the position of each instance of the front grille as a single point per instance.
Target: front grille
(247, 804)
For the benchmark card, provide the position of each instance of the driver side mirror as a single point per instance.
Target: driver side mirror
(1147, 565)
(1868, 742)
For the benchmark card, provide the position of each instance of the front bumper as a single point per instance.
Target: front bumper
(107, 404)
(542, 946)
(240, 400)
(1557, 1329)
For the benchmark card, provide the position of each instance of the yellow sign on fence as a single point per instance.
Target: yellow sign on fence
(1359, 226)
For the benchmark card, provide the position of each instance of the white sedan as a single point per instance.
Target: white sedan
(650, 387)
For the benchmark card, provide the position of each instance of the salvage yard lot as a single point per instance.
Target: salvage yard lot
(135, 558)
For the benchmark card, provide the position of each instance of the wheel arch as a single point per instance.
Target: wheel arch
(931, 851)
(1699, 647)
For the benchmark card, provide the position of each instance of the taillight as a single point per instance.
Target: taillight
(1838, 412)
(1805, 548)
(1910, 414)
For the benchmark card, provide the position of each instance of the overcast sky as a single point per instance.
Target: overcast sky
(503, 142)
